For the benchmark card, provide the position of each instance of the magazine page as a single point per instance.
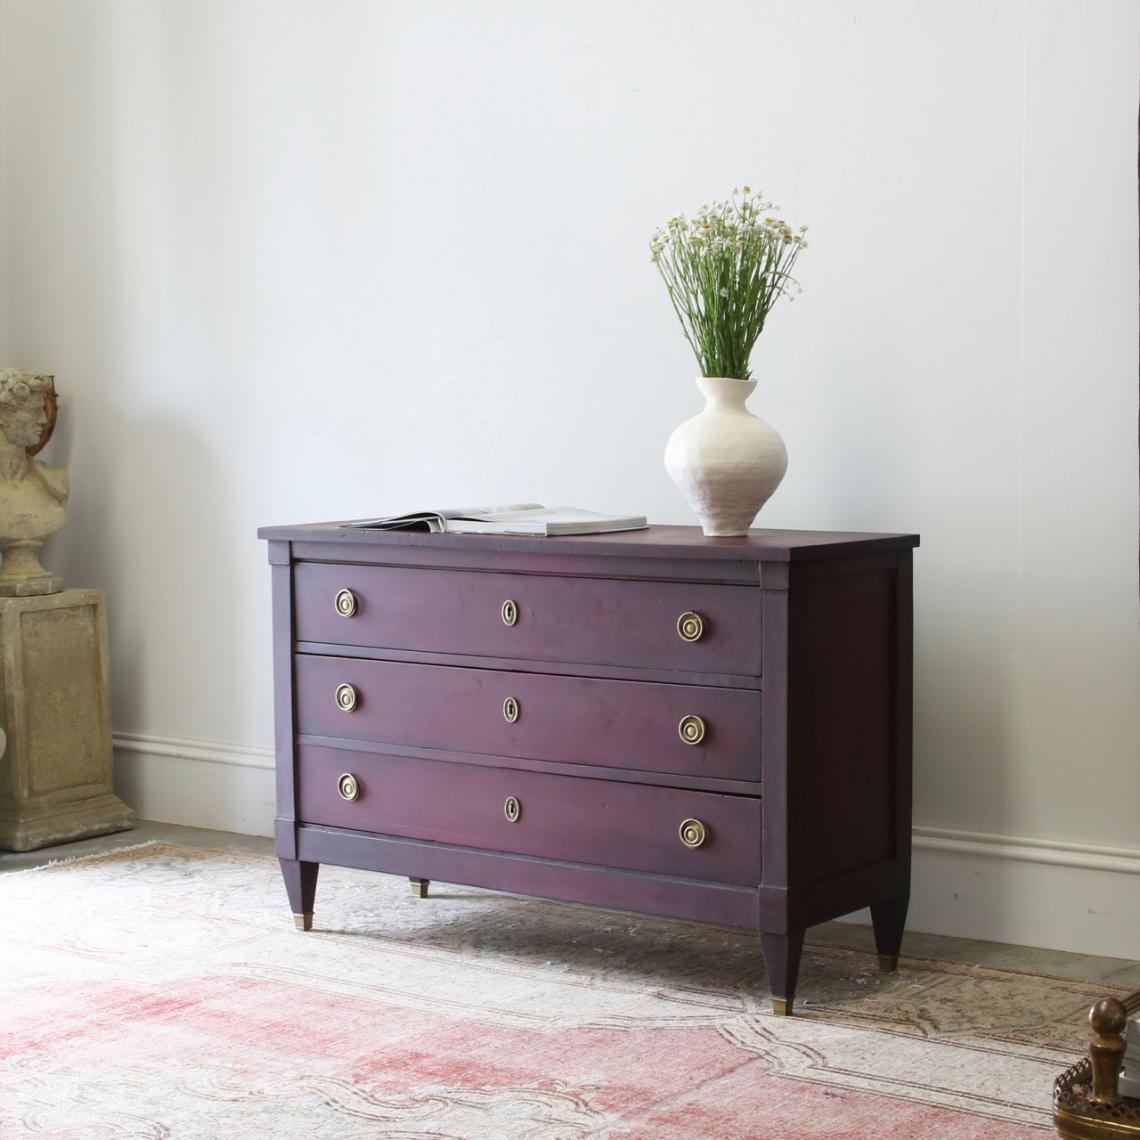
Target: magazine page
(435, 520)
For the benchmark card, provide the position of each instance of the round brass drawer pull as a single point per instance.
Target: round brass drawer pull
(692, 832)
(348, 786)
(691, 729)
(511, 710)
(510, 612)
(345, 603)
(345, 697)
(690, 626)
(512, 809)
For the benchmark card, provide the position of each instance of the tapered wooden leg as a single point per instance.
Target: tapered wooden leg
(889, 918)
(419, 887)
(301, 886)
(782, 960)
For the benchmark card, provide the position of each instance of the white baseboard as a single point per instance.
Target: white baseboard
(997, 888)
(197, 783)
(1030, 892)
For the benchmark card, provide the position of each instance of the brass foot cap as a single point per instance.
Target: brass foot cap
(782, 1007)
(303, 921)
(888, 963)
(419, 887)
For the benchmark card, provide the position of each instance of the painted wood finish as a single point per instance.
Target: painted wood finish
(630, 826)
(572, 620)
(638, 891)
(574, 720)
(802, 681)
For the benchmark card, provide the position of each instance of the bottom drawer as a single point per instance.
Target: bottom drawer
(636, 827)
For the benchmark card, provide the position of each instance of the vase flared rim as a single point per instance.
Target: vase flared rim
(713, 384)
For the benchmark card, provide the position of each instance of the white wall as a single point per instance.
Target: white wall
(293, 261)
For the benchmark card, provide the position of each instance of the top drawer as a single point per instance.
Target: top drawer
(656, 625)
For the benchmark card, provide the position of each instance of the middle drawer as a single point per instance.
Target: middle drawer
(685, 729)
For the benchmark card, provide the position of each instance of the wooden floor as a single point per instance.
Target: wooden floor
(1082, 967)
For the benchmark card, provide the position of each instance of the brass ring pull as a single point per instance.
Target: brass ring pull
(348, 786)
(692, 832)
(691, 729)
(510, 612)
(512, 809)
(345, 603)
(511, 710)
(690, 626)
(346, 697)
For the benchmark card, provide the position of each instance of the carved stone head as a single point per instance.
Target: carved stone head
(23, 406)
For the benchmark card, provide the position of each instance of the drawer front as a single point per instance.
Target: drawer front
(574, 720)
(631, 826)
(531, 617)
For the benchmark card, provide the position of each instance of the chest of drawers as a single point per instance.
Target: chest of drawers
(709, 729)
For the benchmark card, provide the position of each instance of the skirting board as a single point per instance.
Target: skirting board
(997, 888)
(197, 783)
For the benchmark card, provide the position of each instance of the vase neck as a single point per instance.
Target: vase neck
(724, 391)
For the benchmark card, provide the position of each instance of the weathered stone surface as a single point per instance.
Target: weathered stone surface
(33, 496)
(55, 770)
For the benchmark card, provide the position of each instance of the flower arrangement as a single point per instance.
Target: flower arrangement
(725, 270)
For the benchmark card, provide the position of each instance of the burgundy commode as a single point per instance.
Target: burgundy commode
(710, 729)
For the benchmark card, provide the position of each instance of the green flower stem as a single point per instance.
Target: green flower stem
(724, 271)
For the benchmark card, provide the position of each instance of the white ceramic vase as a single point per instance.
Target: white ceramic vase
(726, 461)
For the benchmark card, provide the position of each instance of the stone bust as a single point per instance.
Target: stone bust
(33, 496)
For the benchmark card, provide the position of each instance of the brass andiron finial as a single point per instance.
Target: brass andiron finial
(1108, 1019)
(1087, 1104)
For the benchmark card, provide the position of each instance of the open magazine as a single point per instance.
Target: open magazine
(519, 518)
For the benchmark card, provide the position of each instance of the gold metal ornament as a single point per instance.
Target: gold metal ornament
(512, 809)
(1087, 1102)
(511, 710)
(348, 786)
(346, 697)
(690, 626)
(692, 832)
(691, 729)
(345, 603)
(510, 612)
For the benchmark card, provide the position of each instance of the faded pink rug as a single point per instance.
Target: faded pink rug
(163, 992)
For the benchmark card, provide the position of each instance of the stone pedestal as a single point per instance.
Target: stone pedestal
(55, 767)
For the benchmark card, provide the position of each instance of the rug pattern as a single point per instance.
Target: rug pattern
(163, 992)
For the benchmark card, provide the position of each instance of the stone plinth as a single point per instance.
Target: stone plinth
(55, 769)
